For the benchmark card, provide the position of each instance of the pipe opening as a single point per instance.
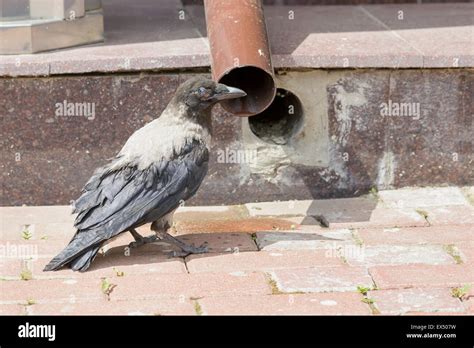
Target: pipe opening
(280, 121)
(257, 83)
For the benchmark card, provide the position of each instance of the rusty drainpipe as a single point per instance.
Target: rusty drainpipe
(240, 53)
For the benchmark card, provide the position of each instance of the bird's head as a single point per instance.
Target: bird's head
(200, 93)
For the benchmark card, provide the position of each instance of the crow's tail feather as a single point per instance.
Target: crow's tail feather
(83, 262)
(77, 254)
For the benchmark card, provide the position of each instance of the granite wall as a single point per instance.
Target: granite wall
(385, 128)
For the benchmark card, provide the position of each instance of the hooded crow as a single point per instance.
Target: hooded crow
(160, 166)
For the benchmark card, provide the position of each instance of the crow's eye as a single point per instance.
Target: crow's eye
(204, 92)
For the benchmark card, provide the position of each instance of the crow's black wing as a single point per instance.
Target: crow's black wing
(115, 201)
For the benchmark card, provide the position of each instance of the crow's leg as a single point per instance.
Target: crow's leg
(186, 249)
(161, 228)
(139, 240)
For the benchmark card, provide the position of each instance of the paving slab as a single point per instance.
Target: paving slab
(390, 277)
(39, 221)
(260, 261)
(12, 309)
(204, 213)
(441, 234)
(427, 300)
(33, 255)
(467, 251)
(400, 255)
(177, 306)
(248, 225)
(379, 217)
(322, 279)
(432, 313)
(50, 290)
(450, 215)
(422, 197)
(347, 303)
(289, 208)
(222, 242)
(468, 192)
(217, 242)
(365, 211)
(190, 286)
(468, 301)
(103, 266)
(324, 239)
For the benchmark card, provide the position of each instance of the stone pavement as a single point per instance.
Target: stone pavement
(407, 251)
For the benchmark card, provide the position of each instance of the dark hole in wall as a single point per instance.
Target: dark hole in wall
(280, 121)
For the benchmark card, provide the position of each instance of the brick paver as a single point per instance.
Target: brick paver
(190, 285)
(391, 277)
(300, 240)
(364, 211)
(12, 309)
(222, 242)
(423, 197)
(447, 234)
(291, 304)
(402, 301)
(50, 290)
(398, 255)
(143, 264)
(177, 306)
(468, 300)
(321, 279)
(467, 252)
(450, 215)
(260, 261)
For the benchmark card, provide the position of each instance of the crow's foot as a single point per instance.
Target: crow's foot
(139, 240)
(189, 249)
(186, 249)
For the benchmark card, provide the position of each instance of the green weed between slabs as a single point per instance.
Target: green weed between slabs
(107, 287)
(454, 252)
(197, 308)
(423, 213)
(26, 235)
(461, 292)
(26, 275)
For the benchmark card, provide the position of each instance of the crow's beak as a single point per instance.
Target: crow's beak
(226, 92)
